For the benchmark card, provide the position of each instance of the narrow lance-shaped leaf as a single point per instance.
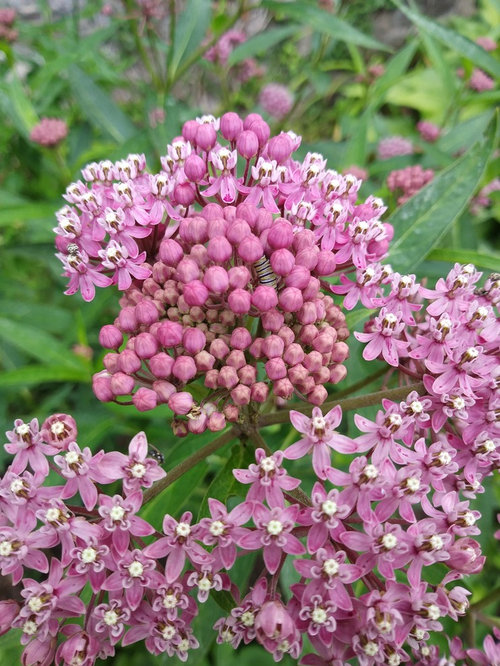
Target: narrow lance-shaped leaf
(261, 42)
(425, 218)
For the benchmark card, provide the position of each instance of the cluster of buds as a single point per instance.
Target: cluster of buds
(219, 53)
(223, 274)
(409, 181)
(49, 132)
(394, 146)
(428, 131)
(7, 18)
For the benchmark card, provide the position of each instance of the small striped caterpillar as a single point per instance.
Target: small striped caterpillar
(265, 273)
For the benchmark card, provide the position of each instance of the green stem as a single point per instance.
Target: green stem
(359, 385)
(485, 601)
(129, 6)
(348, 404)
(188, 463)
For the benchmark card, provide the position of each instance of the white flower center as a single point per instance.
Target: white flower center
(394, 660)
(89, 555)
(319, 616)
(469, 518)
(138, 470)
(416, 407)
(117, 512)
(433, 612)
(371, 649)
(217, 528)
(370, 471)
(135, 569)
(170, 601)
(168, 632)
(318, 423)
(458, 403)
(384, 625)
(248, 619)
(390, 318)
(16, 486)
(444, 458)
(329, 507)
(5, 548)
(489, 445)
(268, 464)
(204, 584)
(183, 530)
(52, 515)
(425, 651)
(436, 542)
(23, 430)
(57, 428)
(111, 617)
(389, 541)
(30, 628)
(183, 645)
(419, 634)
(331, 567)
(413, 484)
(35, 604)
(274, 527)
(72, 457)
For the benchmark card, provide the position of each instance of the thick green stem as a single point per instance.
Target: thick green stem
(188, 463)
(348, 404)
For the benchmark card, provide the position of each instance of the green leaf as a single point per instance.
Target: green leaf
(479, 259)
(98, 107)
(356, 146)
(17, 215)
(261, 43)
(421, 222)
(327, 24)
(190, 32)
(452, 40)
(32, 375)
(465, 133)
(224, 481)
(394, 70)
(224, 599)
(40, 344)
(15, 103)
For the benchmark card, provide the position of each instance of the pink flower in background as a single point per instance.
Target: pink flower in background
(49, 132)
(428, 131)
(480, 81)
(276, 100)
(394, 146)
(409, 181)
(487, 43)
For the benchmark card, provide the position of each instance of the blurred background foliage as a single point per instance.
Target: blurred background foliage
(124, 76)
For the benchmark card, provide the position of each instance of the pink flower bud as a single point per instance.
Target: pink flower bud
(236, 359)
(145, 399)
(247, 375)
(229, 213)
(275, 368)
(161, 272)
(206, 137)
(149, 287)
(110, 337)
(217, 227)
(293, 354)
(259, 392)
(280, 235)
(340, 352)
(252, 117)
(273, 346)
(216, 422)
(146, 312)
(250, 249)
(323, 343)
(9, 610)
(247, 144)
(146, 345)
(219, 349)
(122, 384)
(272, 321)
(290, 299)
(127, 320)
(193, 340)
(337, 374)
(241, 395)
(189, 130)
(304, 238)
(239, 277)
(307, 385)
(313, 361)
(318, 395)
(129, 362)
(466, 556)
(325, 263)
(307, 257)
(170, 252)
(322, 376)
(280, 148)
(212, 210)
(231, 125)
(249, 213)
(195, 293)
(273, 621)
(237, 231)
(264, 298)
(184, 194)
(282, 262)
(198, 425)
(227, 318)
(212, 379)
(194, 230)
(240, 338)
(219, 249)
(312, 289)
(232, 413)
(239, 301)
(256, 348)
(194, 168)
(262, 130)
(204, 361)
(216, 279)
(163, 390)
(184, 368)
(228, 377)
(187, 270)
(283, 388)
(169, 333)
(181, 403)
(298, 373)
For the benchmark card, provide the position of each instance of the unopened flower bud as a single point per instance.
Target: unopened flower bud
(181, 403)
(146, 345)
(241, 395)
(231, 125)
(110, 337)
(145, 399)
(247, 144)
(184, 368)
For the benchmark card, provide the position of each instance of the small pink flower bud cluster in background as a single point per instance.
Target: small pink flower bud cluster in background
(7, 18)
(483, 200)
(480, 81)
(409, 181)
(394, 146)
(276, 100)
(220, 52)
(49, 132)
(223, 274)
(428, 131)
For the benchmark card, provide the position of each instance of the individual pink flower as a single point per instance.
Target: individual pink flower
(384, 339)
(223, 529)
(135, 573)
(120, 521)
(268, 478)
(27, 447)
(324, 517)
(320, 437)
(276, 99)
(428, 131)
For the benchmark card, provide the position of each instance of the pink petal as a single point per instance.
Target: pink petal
(298, 450)
(272, 557)
(300, 421)
(175, 564)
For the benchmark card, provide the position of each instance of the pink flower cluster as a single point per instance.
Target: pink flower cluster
(480, 81)
(409, 181)
(220, 52)
(276, 100)
(428, 131)
(7, 18)
(223, 273)
(49, 132)
(394, 146)
(483, 200)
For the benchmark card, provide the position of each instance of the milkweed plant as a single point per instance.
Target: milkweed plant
(236, 265)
